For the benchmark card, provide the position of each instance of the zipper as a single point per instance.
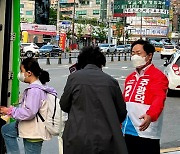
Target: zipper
(124, 130)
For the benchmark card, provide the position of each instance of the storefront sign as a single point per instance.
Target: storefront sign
(38, 29)
(146, 10)
(145, 31)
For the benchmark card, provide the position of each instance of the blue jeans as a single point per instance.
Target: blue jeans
(10, 135)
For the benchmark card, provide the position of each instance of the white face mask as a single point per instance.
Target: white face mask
(138, 61)
(21, 77)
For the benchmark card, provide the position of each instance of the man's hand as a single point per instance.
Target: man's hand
(146, 122)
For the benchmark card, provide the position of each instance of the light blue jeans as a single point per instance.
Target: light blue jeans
(10, 135)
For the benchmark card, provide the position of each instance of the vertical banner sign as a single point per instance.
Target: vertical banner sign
(42, 11)
(62, 41)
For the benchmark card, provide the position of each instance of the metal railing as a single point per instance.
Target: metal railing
(118, 56)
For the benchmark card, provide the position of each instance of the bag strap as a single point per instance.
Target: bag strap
(54, 110)
(40, 116)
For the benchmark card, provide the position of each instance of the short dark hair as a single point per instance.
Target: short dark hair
(31, 64)
(91, 55)
(148, 48)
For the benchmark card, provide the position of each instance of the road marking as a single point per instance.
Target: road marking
(170, 150)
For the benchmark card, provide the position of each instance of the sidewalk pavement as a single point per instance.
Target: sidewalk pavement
(52, 147)
(171, 151)
(175, 152)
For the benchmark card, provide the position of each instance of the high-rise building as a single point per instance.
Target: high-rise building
(100, 9)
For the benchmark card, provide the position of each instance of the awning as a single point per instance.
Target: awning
(41, 33)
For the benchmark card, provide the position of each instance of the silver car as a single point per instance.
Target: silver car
(108, 48)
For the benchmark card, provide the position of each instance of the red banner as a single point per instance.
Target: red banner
(62, 41)
(124, 14)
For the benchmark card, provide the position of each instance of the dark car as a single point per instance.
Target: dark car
(51, 49)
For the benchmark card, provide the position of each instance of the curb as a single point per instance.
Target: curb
(170, 150)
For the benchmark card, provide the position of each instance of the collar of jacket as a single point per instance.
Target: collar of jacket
(92, 66)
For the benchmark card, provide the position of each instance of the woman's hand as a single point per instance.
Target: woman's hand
(4, 110)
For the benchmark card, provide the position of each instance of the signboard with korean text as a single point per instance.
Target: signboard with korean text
(154, 31)
(62, 41)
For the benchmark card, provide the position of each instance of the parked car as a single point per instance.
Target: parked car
(51, 49)
(167, 51)
(172, 71)
(123, 48)
(129, 47)
(108, 48)
(29, 49)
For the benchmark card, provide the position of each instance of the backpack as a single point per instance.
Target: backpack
(53, 119)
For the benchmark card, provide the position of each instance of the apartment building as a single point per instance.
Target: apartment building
(175, 6)
(27, 11)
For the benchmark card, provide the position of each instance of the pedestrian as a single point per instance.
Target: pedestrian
(144, 94)
(95, 107)
(28, 125)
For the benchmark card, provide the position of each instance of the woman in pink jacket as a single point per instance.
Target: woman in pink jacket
(28, 125)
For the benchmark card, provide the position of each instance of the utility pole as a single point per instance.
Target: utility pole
(57, 25)
(141, 26)
(141, 22)
(124, 25)
(109, 21)
(73, 20)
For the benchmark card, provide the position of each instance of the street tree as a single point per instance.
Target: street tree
(119, 31)
(52, 16)
(80, 31)
(100, 33)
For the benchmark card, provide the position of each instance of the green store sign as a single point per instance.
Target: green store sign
(119, 5)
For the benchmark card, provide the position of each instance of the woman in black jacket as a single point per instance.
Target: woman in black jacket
(96, 109)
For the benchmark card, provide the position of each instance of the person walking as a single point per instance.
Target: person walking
(95, 107)
(144, 93)
(28, 125)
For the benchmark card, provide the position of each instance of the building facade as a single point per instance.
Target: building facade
(27, 11)
(145, 18)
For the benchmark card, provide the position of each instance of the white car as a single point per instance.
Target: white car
(172, 71)
(167, 51)
(108, 48)
(29, 49)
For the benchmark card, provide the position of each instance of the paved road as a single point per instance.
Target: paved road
(119, 70)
